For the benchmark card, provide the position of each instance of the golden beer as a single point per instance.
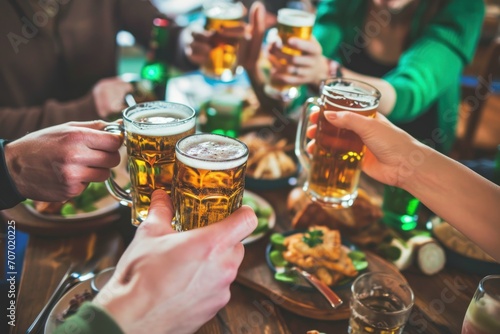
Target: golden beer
(335, 164)
(151, 132)
(223, 58)
(291, 23)
(210, 179)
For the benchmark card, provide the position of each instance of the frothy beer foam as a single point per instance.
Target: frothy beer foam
(360, 99)
(212, 152)
(225, 11)
(295, 18)
(160, 122)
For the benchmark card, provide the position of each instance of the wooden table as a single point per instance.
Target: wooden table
(441, 300)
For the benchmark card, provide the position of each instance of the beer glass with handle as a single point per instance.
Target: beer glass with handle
(291, 23)
(151, 131)
(209, 179)
(222, 61)
(483, 314)
(334, 166)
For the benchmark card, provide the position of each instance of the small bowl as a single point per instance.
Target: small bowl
(100, 280)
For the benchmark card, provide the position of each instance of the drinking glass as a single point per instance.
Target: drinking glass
(291, 23)
(209, 179)
(222, 61)
(380, 304)
(151, 131)
(483, 313)
(334, 167)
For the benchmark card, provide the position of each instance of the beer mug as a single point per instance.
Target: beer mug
(209, 179)
(151, 131)
(334, 166)
(291, 23)
(222, 61)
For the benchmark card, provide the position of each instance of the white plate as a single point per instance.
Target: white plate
(63, 304)
(271, 220)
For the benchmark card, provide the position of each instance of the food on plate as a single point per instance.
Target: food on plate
(319, 251)
(360, 222)
(74, 304)
(262, 212)
(459, 243)
(268, 158)
(85, 202)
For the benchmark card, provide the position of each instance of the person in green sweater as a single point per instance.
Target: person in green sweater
(413, 51)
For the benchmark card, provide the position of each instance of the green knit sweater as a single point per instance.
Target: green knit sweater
(428, 71)
(89, 319)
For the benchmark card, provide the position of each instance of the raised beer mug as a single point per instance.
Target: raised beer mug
(151, 130)
(222, 61)
(209, 179)
(334, 166)
(291, 23)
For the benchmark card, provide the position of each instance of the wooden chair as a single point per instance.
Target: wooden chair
(475, 93)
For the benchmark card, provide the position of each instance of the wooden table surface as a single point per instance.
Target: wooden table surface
(441, 300)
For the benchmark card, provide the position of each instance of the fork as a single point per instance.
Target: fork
(70, 279)
(324, 289)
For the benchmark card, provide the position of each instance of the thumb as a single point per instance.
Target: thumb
(159, 220)
(234, 228)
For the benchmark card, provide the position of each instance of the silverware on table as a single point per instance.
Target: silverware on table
(324, 289)
(76, 274)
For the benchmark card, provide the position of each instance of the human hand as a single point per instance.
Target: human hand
(250, 36)
(169, 282)
(390, 151)
(311, 67)
(109, 95)
(57, 163)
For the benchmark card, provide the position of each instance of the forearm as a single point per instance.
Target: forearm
(459, 196)
(16, 122)
(387, 91)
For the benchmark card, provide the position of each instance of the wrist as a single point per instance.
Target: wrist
(9, 177)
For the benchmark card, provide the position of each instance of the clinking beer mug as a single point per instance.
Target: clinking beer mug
(334, 166)
(151, 131)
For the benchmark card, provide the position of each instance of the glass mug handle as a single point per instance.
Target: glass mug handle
(300, 139)
(114, 189)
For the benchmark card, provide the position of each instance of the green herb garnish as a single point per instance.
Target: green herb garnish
(313, 238)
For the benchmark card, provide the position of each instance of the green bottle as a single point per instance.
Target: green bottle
(156, 68)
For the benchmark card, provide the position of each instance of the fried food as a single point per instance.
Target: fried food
(268, 158)
(324, 257)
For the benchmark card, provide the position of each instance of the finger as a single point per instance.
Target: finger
(314, 116)
(310, 146)
(102, 140)
(201, 36)
(92, 174)
(234, 228)
(311, 131)
(304, 61)
(159, 220)
(310, 46)
(258, 22)
(363, 126)
(233, 32)
(96, 124)
(94, 158)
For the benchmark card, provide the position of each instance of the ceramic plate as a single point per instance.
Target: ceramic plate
(301, 283)
(262, 204)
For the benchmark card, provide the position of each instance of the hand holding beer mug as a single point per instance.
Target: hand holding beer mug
(335, 164)
(225, 19)
(151, 131)
(291, 23)
(209, 179)
(483, 313)
(380, 303)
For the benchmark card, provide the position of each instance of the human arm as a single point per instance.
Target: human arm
(454, 192)
(172, 282)
(57, 163)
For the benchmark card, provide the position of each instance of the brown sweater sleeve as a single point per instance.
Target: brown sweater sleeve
(16, 122)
